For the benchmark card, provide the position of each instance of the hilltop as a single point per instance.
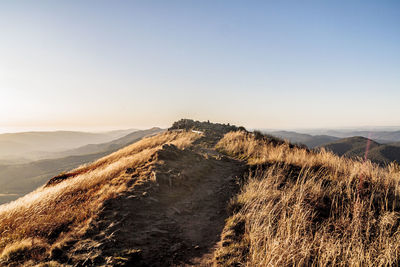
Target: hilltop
(203, 193)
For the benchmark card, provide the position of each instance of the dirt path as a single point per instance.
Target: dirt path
(174, 219)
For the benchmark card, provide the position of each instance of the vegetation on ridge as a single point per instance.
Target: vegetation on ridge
(40, 223)
(310, 208)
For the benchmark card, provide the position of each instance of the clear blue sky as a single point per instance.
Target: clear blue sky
(266, 64)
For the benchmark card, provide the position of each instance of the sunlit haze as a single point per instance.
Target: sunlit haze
(101, 65)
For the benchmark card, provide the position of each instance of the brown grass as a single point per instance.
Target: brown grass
(310, 208)
(298, 208)
(51, 213)
(26, 249)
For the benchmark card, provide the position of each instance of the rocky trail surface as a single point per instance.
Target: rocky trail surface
(172, 217)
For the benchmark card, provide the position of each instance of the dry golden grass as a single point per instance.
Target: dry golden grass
(32, 248)
(49, 214)
(310, 208)
(299, 208)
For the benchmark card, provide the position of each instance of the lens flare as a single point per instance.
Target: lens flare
(367, 147)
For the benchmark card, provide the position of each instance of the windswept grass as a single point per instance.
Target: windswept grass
(297, 207)
(27, 249)
(310, 208)
(50, 213)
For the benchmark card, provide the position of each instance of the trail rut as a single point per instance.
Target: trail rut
(173, 219)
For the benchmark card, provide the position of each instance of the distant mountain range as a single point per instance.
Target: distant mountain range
(28, 146)
(19, 179)
(310, 141)
(382, 137)
(107, 147)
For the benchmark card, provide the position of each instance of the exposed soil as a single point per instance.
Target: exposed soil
(172, 216)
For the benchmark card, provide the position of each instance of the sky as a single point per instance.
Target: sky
(94, 65)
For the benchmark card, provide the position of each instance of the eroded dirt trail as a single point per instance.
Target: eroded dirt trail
(175, 218)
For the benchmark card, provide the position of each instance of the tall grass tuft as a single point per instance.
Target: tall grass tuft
(310, 208)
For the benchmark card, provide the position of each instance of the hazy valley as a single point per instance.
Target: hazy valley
(17, 179)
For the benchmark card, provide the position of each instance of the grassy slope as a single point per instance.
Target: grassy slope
(38, 223)
(307, 208)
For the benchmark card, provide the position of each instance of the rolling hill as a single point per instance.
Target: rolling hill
(203, 194)
(310, 141)
(383, 137)
(19, 179)
(356, 147)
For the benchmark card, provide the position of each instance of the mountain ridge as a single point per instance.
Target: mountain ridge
(194, 196)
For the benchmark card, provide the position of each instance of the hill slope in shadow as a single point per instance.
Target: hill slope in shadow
(357, 146)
